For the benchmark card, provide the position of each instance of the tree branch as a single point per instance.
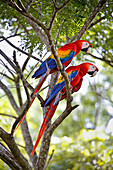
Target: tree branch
(5, 65)
(61, 118)
(58, 33)
(55, 11)
(14, 149)
(10, 97)
(60, 67)
(96, 22)
(3, 114)
(89, 20)
(47, 137)
(22, 77)
(63, 5)
(8, 60)
(5, 75)
(20, 49)
(109, 62)
(8, 158)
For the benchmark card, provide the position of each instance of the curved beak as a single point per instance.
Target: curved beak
(87, 50)
(93, 73)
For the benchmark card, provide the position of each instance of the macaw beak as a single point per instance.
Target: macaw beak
(87, 50)
(93, 73)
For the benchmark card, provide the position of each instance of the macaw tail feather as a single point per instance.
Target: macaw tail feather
(49, 114)
(42, 79)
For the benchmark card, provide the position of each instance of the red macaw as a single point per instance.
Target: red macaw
(66, 54)
(76, 74)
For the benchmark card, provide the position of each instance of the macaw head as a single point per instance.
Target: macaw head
(92, 70)
(89, 68)
(83, 45)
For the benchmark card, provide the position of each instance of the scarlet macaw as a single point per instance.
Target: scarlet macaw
(66, 53)
(76, 74)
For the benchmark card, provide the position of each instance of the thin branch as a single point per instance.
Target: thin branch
(22, 77)
(22, 161)
(109, 62)
(8, 60)
(7, 115)
(21, 146)
(25, 63)
(11, 36)
(9, 70)
(63, 5)
(29, 4)
(10, 97)
(17, 84)
(52, 19)
(5, 75)
(61, 118)
(8, 158)
(55, 11)
(58, 33)
(96, 22)
(89, 20)
(20, 49)
(49, 160)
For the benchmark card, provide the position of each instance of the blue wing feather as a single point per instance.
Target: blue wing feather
(55, 91)
(59, 87)
(42, 69)
(73, 74)
(69, 57)
(52, 64)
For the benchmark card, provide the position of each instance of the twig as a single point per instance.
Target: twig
(109, 62)
(21, 160)
(22, 77)
(49, 160)
(8, 158)
(55, 11)
(10, 96)
(61, 118)
(3, 114)
(58, 33)
(96, 22)
(5, 75)
(89, 20)
(29, 4)
(63, 5)
(8, 60)
(20, 49)
(11, 36)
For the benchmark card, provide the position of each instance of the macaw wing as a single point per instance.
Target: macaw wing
(73, 74)
(50, 63)
(78, 86)
(65, 58)
(55, 91)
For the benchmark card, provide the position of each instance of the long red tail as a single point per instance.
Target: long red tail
(49, 114)
(36, 91)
